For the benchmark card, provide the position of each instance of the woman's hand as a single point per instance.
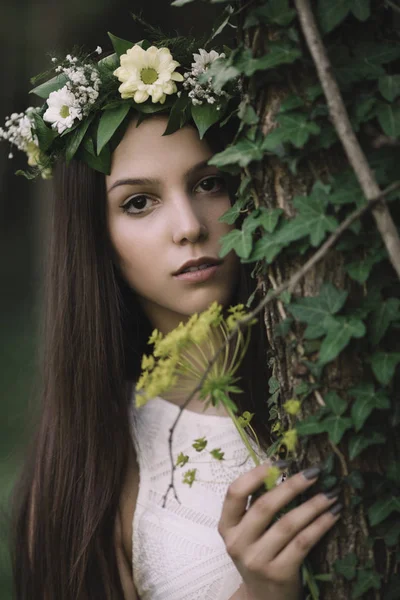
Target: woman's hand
(268, 557)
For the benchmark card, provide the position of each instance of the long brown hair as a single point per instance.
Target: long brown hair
(94, 335)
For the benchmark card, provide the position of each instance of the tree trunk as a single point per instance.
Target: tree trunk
(293, 356)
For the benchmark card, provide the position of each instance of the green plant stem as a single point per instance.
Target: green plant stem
(242, 434)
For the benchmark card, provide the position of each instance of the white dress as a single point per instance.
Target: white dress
(177, 552)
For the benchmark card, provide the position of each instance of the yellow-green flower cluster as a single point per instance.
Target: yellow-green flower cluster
(186, 351)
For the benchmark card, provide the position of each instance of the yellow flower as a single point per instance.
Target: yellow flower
(290, 439)
(292, 407)
(272, 477)
(145, 73)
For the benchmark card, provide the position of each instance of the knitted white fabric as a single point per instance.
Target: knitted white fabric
(178, 553)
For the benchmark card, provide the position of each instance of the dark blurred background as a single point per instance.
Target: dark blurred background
(29, 30)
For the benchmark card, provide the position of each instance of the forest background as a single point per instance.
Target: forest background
(28, 32)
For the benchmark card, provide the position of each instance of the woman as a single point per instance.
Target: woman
(83, 528)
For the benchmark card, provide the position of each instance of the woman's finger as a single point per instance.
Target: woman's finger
(280, 534)
(236, 498)
(254, 523)
(295, 552)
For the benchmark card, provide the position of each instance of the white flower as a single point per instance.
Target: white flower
(204, 59)
(145, 73)
(99, 50)
(63, 109)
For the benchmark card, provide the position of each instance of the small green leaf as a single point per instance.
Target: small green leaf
(269, 218)
(102, 162)
(381, 317)
(239, 240)
(233, 213)
(382, 508)
(346, 566)
(358, 443)
(278, 53)
(336, 426)
(361, 9)
(384, 365)
(393, 472)
(366, 579)
(297, 128)
(367, 399)
(200, 444)
(45, 135)
(53, 85)
(335, 403)
(242, 154)
(332, 12)
(313, 310)
(265, 248)
(205, 115)
(310, 426)
(340, 332)
(110, 120)
(178, 115)
(389, 86)
(120, 46)
(389, 118)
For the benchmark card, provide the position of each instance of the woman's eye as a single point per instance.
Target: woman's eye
(212, 184)
(137, 203)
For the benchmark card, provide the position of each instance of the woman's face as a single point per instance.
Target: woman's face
(163, 208)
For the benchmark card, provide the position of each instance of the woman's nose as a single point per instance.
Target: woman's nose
(187, 224)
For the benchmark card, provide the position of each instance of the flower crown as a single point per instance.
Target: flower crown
(89, 102)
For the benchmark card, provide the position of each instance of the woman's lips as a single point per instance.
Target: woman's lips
(200, 275)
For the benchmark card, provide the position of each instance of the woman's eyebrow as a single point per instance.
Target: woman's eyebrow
(153, 181)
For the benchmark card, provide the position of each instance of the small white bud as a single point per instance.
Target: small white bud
(99, 50)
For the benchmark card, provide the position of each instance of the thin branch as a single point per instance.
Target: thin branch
(290, 285)
(393, 5)
(341, 122)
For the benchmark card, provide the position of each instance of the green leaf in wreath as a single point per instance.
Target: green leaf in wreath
(45, 135)
(53, 85)
(101, 163)
(205, 115)
(75, 138)
(178, 115)
(120, 46)
(109, 122)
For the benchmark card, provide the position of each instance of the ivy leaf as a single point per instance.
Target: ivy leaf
(358, 443)
(393, 472)
(346, 189)
(382, 508)
(381, 317)
(340, 332)
(384, 365)
(313, 310)
(335, 403)
(266, 248)
(366, 579)
(205, 115)
(310, 426)
(332, 12)
(278, 53)
(346, 566)
(242, 154)
(361, 269)
(247, 114)
(297, 128)
(389, 118)
(361, 9)
(312, 211)
(389, 86)
(279, 12)
(239, 240)
(120, 46)
(377, 53)
(269, 218)
(232, 214)
(367, 399)
(45, 134)
(109, 122)
(335, 426)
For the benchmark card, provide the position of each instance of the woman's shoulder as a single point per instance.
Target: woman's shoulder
(123, 525)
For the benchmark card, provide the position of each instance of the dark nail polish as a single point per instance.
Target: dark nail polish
(336, 508)
(332, 493)
(281, 464)
(312, 472)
